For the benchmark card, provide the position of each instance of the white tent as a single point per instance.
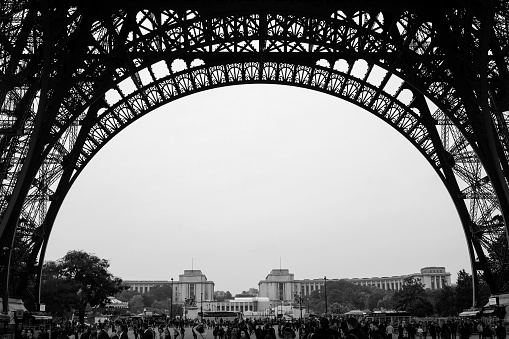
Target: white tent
(355, 312)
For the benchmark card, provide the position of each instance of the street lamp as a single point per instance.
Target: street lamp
(300, 307)
(201, 306)
(325, 294)
(171, 301)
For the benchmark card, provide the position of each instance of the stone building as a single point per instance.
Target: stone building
(280, 285)
(192, 286)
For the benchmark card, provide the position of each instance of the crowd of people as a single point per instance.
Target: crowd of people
(311, 328)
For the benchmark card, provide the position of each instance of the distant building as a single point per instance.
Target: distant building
(431, 277)
(192, 285)
(279, 287)
(280, 284)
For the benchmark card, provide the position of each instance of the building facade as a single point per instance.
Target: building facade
(192, 286)
(280, 285)
(431, 277)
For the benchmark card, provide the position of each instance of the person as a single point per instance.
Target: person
(464, 330)
(159, 333)
(354, 331)
(115, 330)
(419, 331)
(86, 333)
(43, 334)
(445, 331)
(402, 330)
(487, 333)
(200, 331)
(271, 333)
(501, 331)
(454, 329)
(433, 330)
(147, 332)
(480, 330)
(166, 333)
(288, 332)
(336, 328)
(103, 330)
(122, 332)
(389, 330)
(376, 333)
(182, 331)
(176, 333)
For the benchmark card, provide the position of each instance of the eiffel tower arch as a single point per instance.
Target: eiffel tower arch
(76, 73)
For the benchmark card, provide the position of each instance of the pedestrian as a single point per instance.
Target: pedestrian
(480, 330)
(354, 330)
(389, 330)
(501, 331)
(376, 332)
(487, 333)
(464, 330)
(147, 332)
(103, 330)
(166, 333)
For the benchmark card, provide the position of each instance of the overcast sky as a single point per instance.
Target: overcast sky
(240, 180)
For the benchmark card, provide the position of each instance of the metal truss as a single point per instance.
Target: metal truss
(73, 77)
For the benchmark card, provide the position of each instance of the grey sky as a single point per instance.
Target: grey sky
(236, 178)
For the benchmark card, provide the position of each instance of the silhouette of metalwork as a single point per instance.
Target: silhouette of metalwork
(75, 73)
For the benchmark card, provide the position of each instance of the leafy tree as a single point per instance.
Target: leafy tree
(126, 295)
(464, 290)
(244, 294)
(147, 300)
(160, 293)
(498, 258)
(59, 295)
(443, 301)
(84, 278)
(412, 298)
(387, 302)
(136, 304)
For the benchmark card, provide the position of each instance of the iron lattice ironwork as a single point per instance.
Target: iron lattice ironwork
(72, 77)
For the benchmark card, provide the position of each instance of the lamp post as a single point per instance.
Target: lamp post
(171, 300)
(201, 298)
(325, 294)
(300, 307)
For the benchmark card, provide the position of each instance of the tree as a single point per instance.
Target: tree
(498, 258)
(85, 279)
(136, 304)
(464, 290)
(126, 295)
(58, 295)
(160, 293)
(443, 301)
(244, 294)
(412, 298)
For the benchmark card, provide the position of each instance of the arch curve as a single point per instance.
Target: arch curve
(109, 82)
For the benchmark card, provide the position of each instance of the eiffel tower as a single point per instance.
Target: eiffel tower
(75, 73)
